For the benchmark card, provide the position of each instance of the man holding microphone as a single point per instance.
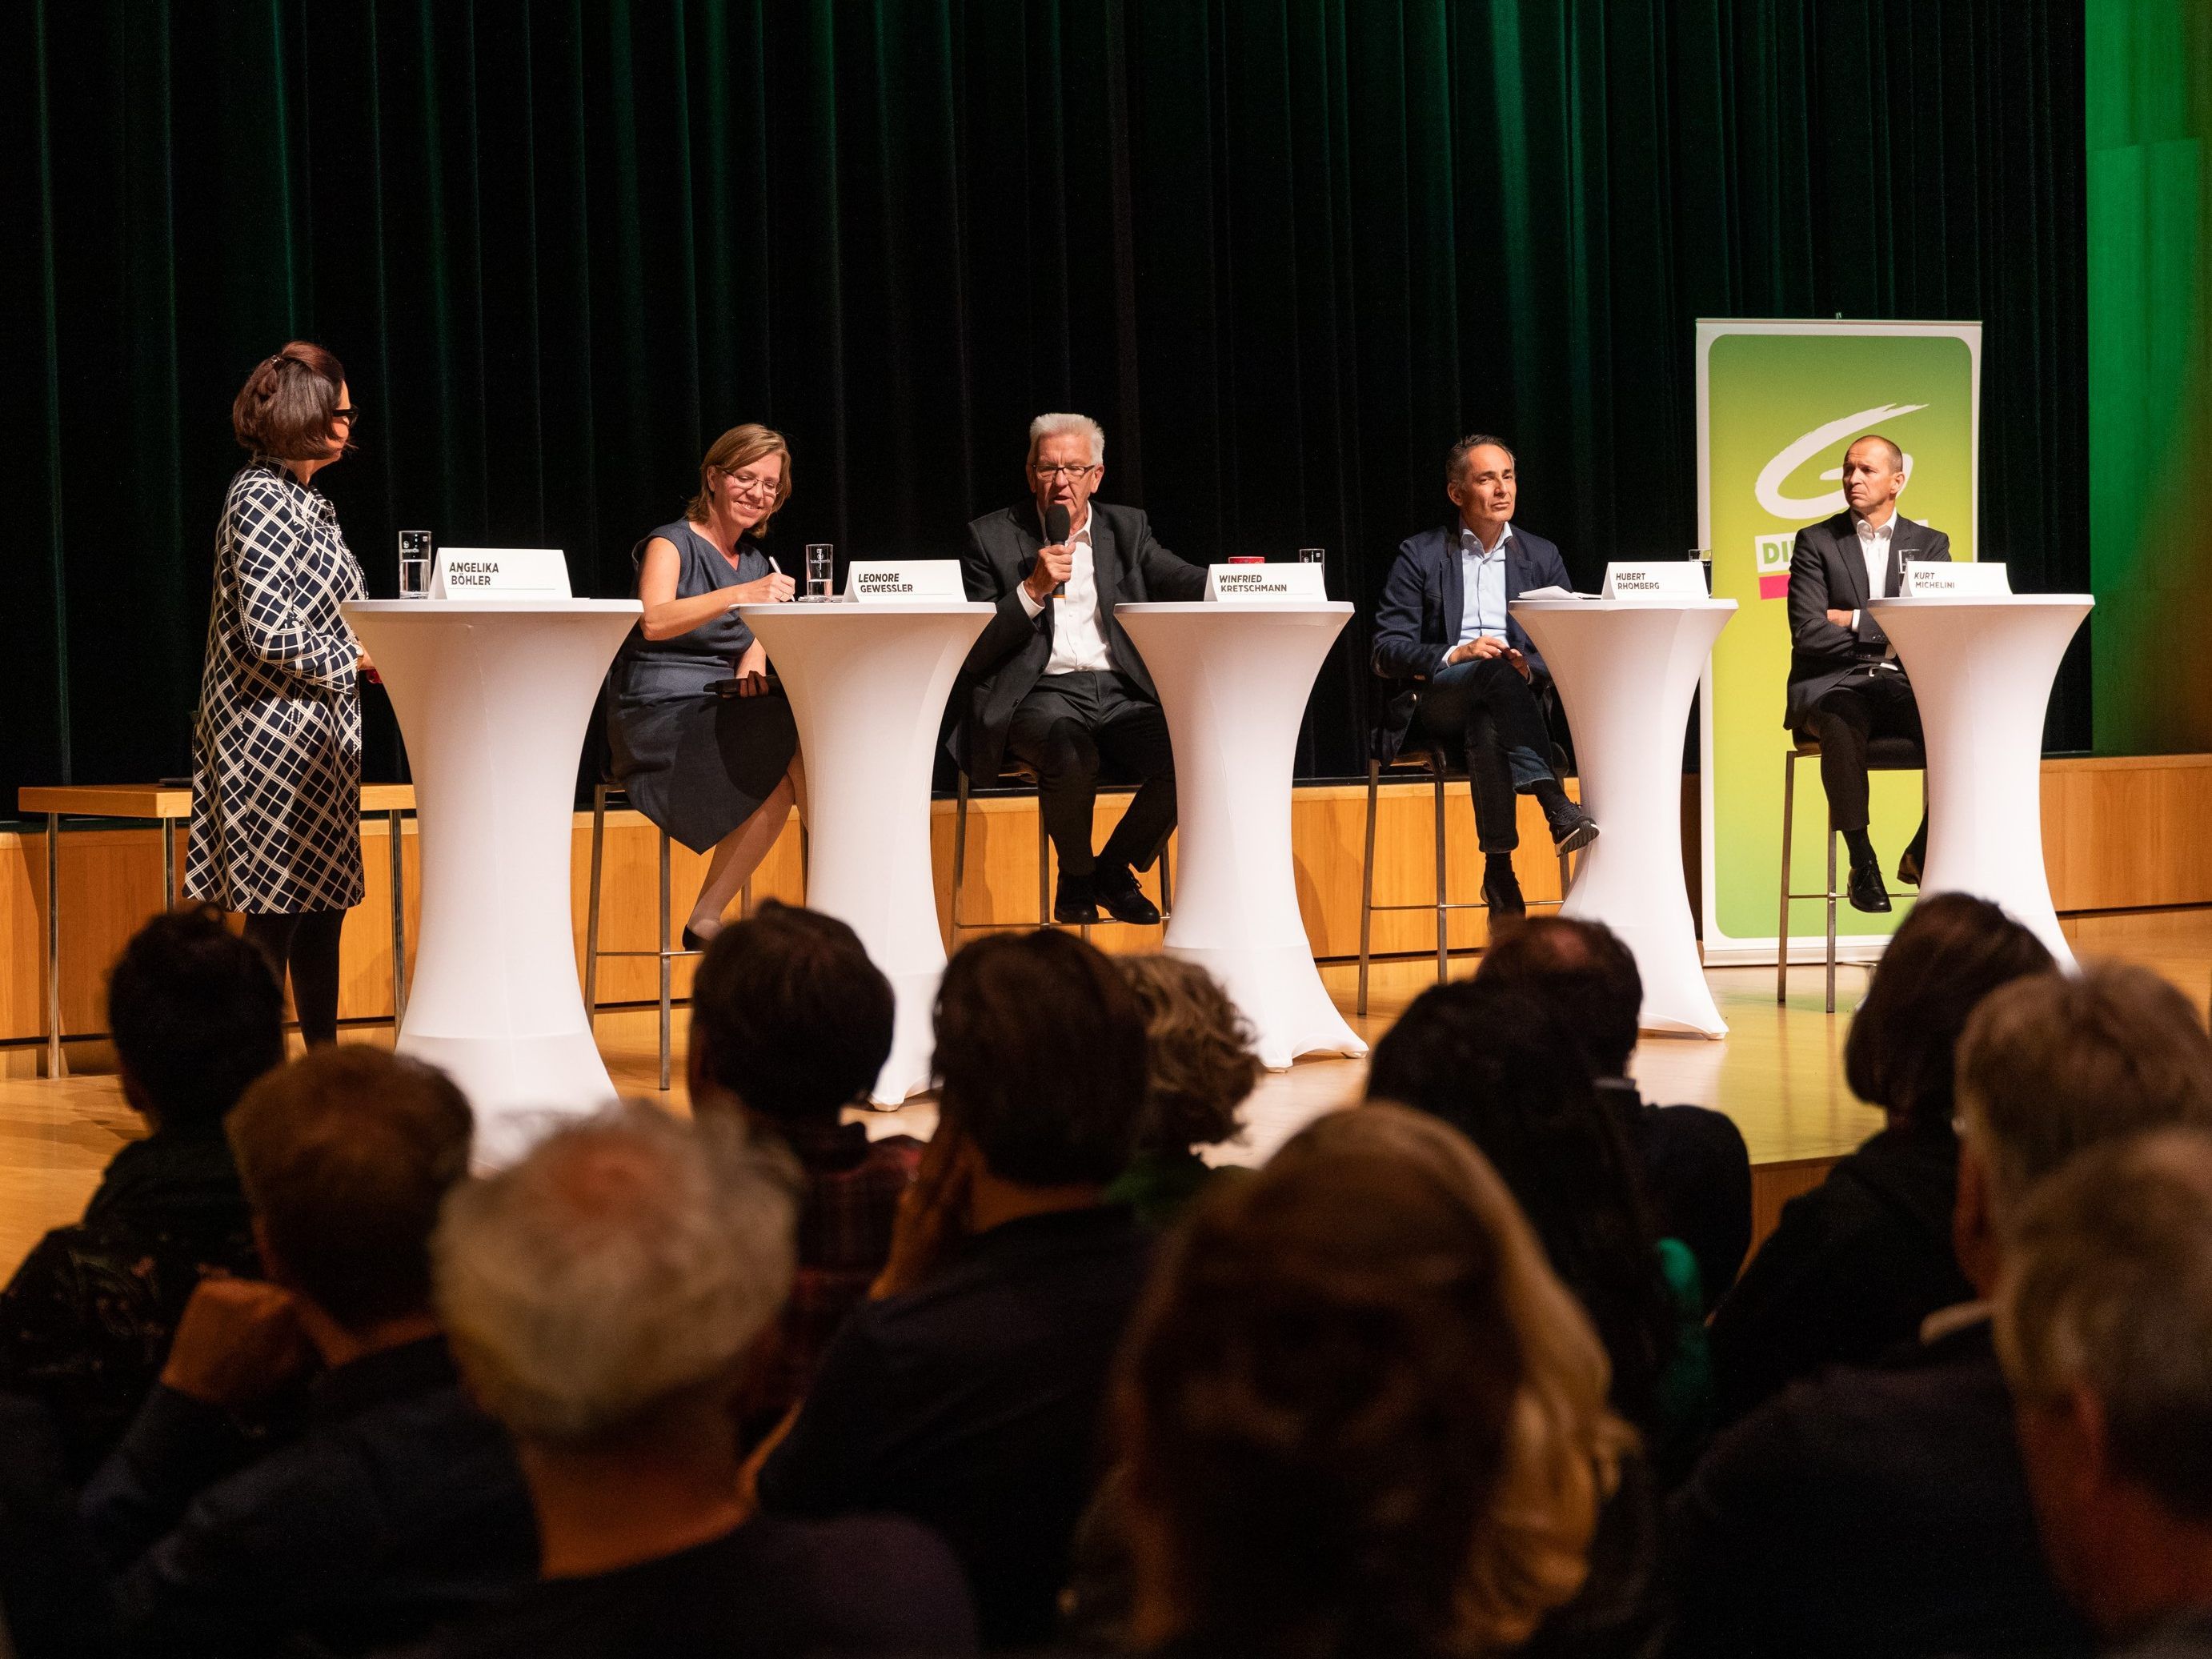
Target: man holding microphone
(1055, 680)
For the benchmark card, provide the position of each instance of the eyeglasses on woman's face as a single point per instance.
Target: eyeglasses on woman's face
(749, 483)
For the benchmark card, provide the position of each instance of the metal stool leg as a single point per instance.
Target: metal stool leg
(667, 962)
(1044, 868)
(170, 896)
(1444, 916)
(1167, 886)
(395, 849)
(1367, 882)
(959, 845)
(592, 910)
(1831, 912)
(53, 945)
(1782, 927)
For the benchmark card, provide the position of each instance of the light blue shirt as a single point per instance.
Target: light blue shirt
(1482, 582)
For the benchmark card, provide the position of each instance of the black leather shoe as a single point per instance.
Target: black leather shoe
(1074, 902)
(1117, 889)
(1908, 868)
(1865, 891)
(693, 942)
(1501, 894)
(1571, 835)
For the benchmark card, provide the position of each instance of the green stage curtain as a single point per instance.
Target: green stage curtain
(1286, 252)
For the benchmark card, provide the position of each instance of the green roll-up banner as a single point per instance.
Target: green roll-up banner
(1779, 402)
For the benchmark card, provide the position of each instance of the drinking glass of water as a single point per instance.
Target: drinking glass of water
(821, 568)
(414, 564)
(1313, 556)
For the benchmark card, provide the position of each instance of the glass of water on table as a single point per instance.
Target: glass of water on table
(821, 569)
(414, 564)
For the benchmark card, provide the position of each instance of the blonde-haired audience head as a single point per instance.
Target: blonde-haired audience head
(1358, 1412)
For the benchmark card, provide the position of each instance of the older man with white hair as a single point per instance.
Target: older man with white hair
(1056, 681)
(602, 1297)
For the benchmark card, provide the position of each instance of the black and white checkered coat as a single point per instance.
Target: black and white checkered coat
(276, 753)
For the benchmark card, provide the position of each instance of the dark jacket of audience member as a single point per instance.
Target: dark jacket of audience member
(603, 1294)
(1884, 1509)
(1200, 1069)
(1856, 1264)
(1507, 1072)
(1359, 1414)
(969, 1398)
(1692, 1164)
(54, 1585)
(398, 1504)
(2104, 1326)
(790, 1021)
(86, 1321)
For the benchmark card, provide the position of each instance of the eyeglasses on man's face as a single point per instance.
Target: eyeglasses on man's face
(1054, 474)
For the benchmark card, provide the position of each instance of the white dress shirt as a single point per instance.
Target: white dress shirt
(1873, 547)
(1078, 637)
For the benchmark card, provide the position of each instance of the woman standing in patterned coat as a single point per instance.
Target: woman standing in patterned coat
(275, 828)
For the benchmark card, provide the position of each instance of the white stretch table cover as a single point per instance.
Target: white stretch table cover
(1626, 669)
(494, 698)
(1981, 672)
(1233, 680)
(867, 684)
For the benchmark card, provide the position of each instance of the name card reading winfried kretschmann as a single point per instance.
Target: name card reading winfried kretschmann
(1233, 583)
(903, 581)
(1930, 579)
(499, 573)
(1672, 580)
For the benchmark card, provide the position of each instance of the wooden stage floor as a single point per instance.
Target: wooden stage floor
(1778, 1073)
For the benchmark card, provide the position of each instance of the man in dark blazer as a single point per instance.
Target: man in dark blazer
(1055, 679)
(1466, 669)
(1846, 686)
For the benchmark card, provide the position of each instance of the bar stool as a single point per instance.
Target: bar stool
(1017, 772)
(1883, 754)
(1422, 758)
(665, 955)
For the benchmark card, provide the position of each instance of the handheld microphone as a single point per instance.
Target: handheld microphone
(1055, 533)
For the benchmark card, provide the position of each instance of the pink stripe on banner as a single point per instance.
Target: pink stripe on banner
(1774, 587)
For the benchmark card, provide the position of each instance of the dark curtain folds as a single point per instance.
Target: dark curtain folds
(1284, 252)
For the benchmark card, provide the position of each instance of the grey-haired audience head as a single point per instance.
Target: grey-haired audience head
(2104, 1324)
(627, 1262)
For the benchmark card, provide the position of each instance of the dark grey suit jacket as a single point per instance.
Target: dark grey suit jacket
(1010, 657)
(1827, 572)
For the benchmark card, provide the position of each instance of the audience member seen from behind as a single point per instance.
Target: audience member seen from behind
(790, 1023)
(1200, 1068)
(1859, 1261)
(2104, 1326)
(398, 1504)
(1358, 1412)
(1882, 1509)
(602, 1294)
(967, 1394)
(86, 1322)
(1507, 1071)
(1693, 1166)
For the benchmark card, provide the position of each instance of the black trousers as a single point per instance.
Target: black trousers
(1066, 726)
(1486, 708)
(1866, 706)
(306, 943)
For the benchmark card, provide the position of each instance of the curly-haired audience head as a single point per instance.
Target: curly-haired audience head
(2056, 1063)
(293, 406)
(1952, 950)
(1358, 1414)
(1041, 1054)
(1582, 969)
(196, 1016)
(1510, 1073)
(1200, 1064)
(622, 1267)
(2104, 1324)
(789, 1015)
(345, 1156)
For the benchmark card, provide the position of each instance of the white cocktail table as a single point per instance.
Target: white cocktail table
(1626, 669)
(1233, 679)
(1981, 670)
(494, 698)
(867, 683)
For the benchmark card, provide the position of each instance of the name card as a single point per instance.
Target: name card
(1666, 580)
(499, 573)
(903, 581)
(1927, 579)
(1233, 583)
